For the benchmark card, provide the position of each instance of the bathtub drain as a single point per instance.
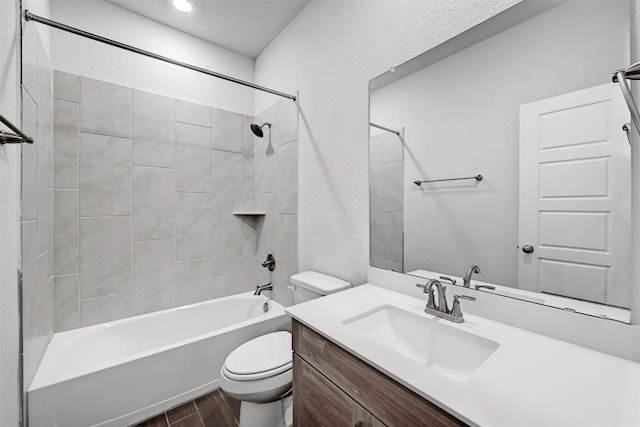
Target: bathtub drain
(265, 307)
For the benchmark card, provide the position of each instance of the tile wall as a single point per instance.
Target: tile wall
(386, 174)
(37, 202)
(145, 193)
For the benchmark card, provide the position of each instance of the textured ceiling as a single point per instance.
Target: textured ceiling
(244, 26)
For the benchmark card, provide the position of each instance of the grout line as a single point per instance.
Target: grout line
(133, 165)
(103, 135)
(198, 412)
(193, 124)
(104, 216)
(227, 151)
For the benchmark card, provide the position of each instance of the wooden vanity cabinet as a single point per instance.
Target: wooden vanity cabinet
(333, 388)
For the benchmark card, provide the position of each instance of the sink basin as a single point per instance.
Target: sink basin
(447, 350)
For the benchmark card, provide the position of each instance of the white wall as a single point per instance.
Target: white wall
(92, 59)
(462, 123)
(9, 225)
(329, 52)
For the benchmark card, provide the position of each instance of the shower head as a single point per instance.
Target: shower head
(257, 129)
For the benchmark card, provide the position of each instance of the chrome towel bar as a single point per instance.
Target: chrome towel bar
(17, 137)
(422, 181)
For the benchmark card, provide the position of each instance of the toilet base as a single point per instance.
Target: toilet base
(270, 414)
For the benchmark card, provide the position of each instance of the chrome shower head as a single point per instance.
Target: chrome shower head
(257, 129)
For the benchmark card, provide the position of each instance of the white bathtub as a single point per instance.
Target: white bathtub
(121, 372)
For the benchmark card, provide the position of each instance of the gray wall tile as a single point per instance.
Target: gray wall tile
(376, 206)
(247, 145)
(193, 158)
(226, 244)
(195, 114)
(226, 182)
(392, 148)
(105, 175)
(224, 286)
(181, 244)
(66, 87)
(287, 257)
(31, 275)
(66, 135)
(45, 200)
(252, 257)
(287, 119)
(154, 130)
(193, 226)
(105, 256)
(288, 178)
(154, 275)
(376, 247)
(194, 280)
(105, 108)
(30, 59)
(267, 165)
(105, 309)
(226, 129)
(392, 186)
(248, 193)
(154, 203)
(66, 303)
(392, 237)
(65, 232)
(29, 158)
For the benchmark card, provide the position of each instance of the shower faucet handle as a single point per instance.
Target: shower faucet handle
(270, 262)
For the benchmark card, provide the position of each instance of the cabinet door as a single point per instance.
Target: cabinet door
(317, 402)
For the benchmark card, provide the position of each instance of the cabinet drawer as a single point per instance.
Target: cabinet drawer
(392, 403)
(320, 403)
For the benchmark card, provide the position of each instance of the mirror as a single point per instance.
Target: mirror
(504, 148)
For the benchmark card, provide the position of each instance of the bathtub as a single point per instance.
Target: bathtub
(121, 372)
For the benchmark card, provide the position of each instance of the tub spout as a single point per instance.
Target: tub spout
(260, 288)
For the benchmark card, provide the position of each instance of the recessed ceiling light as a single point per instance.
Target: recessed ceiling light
(183, 5)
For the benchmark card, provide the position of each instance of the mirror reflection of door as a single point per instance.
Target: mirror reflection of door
(575, 208)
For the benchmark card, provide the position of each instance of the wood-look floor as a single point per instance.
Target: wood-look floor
(216, 409)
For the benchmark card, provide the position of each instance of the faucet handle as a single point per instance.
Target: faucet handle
(455, 310)
(448, 279)
(424, 287)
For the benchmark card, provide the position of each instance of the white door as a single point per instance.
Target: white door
(575, 210)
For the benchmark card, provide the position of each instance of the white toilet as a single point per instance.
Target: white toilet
(259, 372)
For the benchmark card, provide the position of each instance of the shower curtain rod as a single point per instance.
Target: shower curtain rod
(397, 132)
(31, 17)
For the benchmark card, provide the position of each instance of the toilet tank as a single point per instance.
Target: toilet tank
(311, 284)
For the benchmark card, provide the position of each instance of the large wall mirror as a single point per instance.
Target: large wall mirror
(506, 148)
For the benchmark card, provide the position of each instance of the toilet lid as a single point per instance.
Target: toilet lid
(260, 357)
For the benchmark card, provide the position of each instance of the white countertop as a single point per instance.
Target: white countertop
(530, 380)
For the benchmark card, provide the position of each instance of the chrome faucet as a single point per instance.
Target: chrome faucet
(260, 288)
(441, 309)
(466, 280)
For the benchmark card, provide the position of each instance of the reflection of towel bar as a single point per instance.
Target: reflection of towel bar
(422, 181)
(12, 138)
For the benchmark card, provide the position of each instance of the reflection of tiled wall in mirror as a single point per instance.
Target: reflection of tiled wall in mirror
(386, 167)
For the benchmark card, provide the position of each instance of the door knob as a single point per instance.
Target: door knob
(527, 249)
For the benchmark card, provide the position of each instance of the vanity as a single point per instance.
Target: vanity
(370, 356)
(491, 154)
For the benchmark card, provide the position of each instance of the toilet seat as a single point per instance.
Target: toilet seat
(257, 375)
(259, 370)
(259, 358)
